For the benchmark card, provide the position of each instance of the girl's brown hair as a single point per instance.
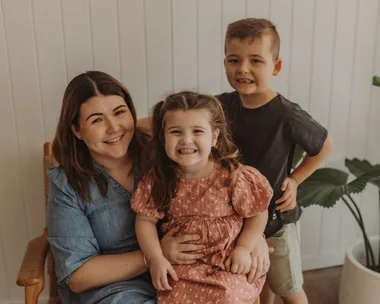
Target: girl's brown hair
(70, 152)
(163, 170)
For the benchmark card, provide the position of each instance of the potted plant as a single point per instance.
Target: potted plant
(325, 187)
(360, 281)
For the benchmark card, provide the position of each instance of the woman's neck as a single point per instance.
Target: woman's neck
(124, 164)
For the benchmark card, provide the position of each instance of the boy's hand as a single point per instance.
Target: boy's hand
(288, 200)
(159, 269)
(260, 261)
(239, 261)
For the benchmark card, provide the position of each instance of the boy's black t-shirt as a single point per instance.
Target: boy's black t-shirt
(266, 137)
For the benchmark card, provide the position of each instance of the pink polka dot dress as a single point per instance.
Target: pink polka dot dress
(215, 212)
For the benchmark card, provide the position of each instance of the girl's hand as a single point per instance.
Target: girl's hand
(260, 261)
(176, 249)
(288, 200)
(159, 269)
(239, 261)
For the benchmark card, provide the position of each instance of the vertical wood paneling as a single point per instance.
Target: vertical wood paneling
(281, 15)
(361, 96)
(232, 10)
(258, 8)
(23, 159)
(362, 74)
(299, 92)
(105, 40)
(77, 37)
(51, 61)
(210, 46)
(320, 93)
(301, 52)
(340, 107)
(133, 52)
(371, 199)
(159, 49)
(8, 176)
(4, 286)
(185, 45)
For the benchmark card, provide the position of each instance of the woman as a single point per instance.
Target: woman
(91, 225)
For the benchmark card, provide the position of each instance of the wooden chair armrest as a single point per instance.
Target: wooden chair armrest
(32, 270)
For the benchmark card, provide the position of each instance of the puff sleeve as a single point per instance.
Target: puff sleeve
(142, 202)
(251, 193)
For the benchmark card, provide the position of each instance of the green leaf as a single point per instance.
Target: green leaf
(376, 81)
(299, 154)
(326, 186)
(359, 167)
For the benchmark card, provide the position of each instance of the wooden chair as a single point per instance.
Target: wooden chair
(32, 270)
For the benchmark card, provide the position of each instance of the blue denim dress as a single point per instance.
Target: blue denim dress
(79, 231)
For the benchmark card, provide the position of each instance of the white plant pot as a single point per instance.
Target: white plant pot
(358, 284)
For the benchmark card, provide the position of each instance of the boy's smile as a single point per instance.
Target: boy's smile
(250, 67)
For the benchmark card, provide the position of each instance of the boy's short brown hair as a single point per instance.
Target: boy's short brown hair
(254, 28)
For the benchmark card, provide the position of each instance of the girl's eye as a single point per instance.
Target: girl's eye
(96, 121)
(233, 61)
(198, 131)
(175, 132)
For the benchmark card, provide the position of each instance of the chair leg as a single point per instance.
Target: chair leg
(32, 293)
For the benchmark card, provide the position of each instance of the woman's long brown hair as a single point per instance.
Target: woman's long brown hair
(163, 170)
(70, 152)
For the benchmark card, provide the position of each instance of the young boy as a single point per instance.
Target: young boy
(267, 127)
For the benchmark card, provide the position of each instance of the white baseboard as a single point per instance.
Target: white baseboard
(322, 261)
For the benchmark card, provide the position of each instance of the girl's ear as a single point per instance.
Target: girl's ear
(75, 132)
(215, 135)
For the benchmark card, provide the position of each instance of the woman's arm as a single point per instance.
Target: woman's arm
(102, 270)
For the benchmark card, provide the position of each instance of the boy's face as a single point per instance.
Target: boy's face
(250, 65)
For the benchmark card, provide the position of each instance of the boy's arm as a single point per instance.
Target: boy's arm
(288, 200)
(311, 163)
(145, 123)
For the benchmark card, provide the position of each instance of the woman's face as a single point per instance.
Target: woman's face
(106, 126)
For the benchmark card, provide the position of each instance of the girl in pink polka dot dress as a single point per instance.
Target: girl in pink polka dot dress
(195, 182)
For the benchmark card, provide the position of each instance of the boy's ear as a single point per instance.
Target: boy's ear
(277, 67)
(215, 136)
(75, 132)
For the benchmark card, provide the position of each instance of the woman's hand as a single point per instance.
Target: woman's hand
(159, 269)
(260, 260)
(177, 251)
(239, 261)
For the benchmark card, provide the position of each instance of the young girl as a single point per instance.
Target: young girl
(196, 183)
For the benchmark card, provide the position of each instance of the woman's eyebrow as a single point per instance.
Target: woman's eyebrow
(93, 114)
(100, 114)
(118, 107)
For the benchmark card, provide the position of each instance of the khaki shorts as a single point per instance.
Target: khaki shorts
(285, 274)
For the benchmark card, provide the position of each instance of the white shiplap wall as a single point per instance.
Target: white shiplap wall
(330, 50)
